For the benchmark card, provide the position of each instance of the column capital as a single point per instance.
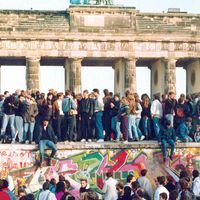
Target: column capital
(131, 59)
(33, 58)
(75, 59)
(171, 60)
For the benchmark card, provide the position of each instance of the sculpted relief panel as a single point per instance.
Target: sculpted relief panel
(97, 46)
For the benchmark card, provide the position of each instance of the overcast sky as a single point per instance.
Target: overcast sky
(91, 77)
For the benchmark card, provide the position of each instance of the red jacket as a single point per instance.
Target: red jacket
(4, 195)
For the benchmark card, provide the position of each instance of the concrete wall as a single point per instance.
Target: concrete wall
(93, 160)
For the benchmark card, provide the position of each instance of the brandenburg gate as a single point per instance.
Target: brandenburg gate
(121, 37)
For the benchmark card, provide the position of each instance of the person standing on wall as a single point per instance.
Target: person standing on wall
(69, 108)
(170, 105)
(8, 116)
(98, 116)
(31, 111)
(85, 117)
(58, 116)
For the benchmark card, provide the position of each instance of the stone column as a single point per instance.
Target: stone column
(170, 75)
(32, 73)
(130, 75)
(75, 75)
(158, 77)
(67, 74)
(193, 74)
(119, 68)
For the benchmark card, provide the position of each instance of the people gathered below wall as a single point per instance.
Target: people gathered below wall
(187, 187)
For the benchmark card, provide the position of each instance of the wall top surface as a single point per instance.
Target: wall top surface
(105, 145)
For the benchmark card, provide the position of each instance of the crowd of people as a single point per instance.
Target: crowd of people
(187, 188)
(86, 117)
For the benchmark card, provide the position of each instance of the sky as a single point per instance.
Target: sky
(91, 76)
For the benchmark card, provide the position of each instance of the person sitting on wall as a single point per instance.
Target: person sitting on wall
(47, 138)
(185, 130)
(167, 134)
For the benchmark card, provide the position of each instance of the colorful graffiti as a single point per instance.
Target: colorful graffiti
(93, 164)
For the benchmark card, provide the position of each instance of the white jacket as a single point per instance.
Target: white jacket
(160, 189)
(109, 189)
(46, 195)
(196, 186)
(156, 109)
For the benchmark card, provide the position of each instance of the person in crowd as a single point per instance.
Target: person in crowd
(1, 109)
(191, 106)
(173, 195)
(146, 117)
(168, 136)
(120, 191)
(84, 188)
(109, 188)
(47, 138)
(58, 116)
(8, 116)
(67, 195)
(31, 111)
(164, 98)
(5, 193)
(85, 111)
(19, 113)
(138, 192)
(181, 111)
(115, 119)
(21, 192)
(60, 190)
(69, 108)
(46, 193)
(185, 194)
(28, 197)
(138, 116)
(185, 130)
(124, 116)
(52, 186)
(90, 195)
(163, 196)
(132, 127)
(98, 112)
(49, 108)
(170, 105)
(160, 182)
(128, 187)
(42, 110)
(196, 184)
(145, 183)
(170, 186)
(156, 115)
(106, 119)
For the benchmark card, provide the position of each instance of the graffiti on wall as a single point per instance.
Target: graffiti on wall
(93, 165)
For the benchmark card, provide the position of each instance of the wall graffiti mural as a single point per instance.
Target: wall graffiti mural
(19, 166)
